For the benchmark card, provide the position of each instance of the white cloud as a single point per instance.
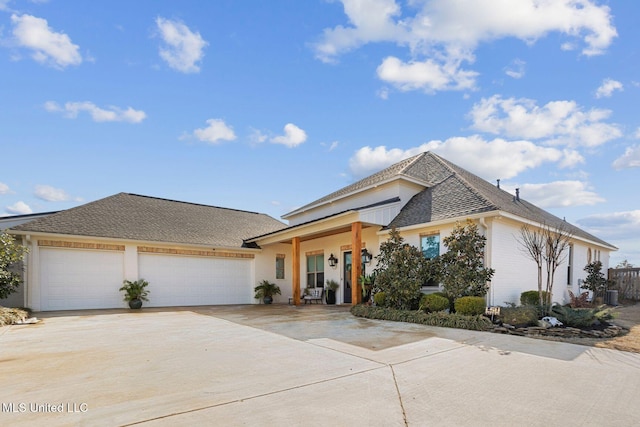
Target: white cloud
(558, 122)
(183, 48)
(607, 88)
(216, 131)
(4, 188)
(500, 158)
(110, 114)
(630, 158)
(616, 225)
(383, 93)
(52, 194)
(48, 46)
(372, 21)
(559, 194)
(293, 136)
(334, 145)
(428, 75)
(257, 136)
(19, 208)
(516, 69)
(441, 34)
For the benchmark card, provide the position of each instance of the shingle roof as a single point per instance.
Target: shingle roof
(135, 217)
(455, 192)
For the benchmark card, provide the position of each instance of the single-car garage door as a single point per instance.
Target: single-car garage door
(79, 279)
(188, 280)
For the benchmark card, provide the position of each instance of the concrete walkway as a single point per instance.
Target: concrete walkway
(285, 365)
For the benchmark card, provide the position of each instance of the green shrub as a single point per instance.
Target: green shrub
(580, 317)
(440, 318)
(433, 302)
(526, 315)
(379, 299)
(532, 297)
(470, 306)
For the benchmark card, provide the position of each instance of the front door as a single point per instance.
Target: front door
(346, 273)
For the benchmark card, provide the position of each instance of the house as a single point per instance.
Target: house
(199, 255)
(191, 254)
(17, 299)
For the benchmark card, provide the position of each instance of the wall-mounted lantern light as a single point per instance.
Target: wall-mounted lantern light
(366, 256)
(333, 261)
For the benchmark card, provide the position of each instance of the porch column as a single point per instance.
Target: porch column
(356, 262)
(295, 274)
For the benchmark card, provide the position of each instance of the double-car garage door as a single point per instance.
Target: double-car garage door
(72, 279)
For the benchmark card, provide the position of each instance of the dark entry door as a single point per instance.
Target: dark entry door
(346, 273)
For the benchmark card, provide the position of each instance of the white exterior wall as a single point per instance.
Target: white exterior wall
(265, 269)
(402, 189)
(514, 272)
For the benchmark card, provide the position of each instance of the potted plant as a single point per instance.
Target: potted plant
(331, 288)
(266, 290)
(366, 281)
(135, 292)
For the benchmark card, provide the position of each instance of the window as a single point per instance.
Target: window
(280, 266)
(315, 271)
(589, 256)
(430, 245)
(569, 263)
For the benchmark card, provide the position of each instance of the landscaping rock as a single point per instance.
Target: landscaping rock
(543, 330)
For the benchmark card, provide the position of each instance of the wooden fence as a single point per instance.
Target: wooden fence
(626, 281)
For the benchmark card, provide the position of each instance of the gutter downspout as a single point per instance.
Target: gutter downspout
(26, 272)
(487, 256)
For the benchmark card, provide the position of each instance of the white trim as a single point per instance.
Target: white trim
(44, 236)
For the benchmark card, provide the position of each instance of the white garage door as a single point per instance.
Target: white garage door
(78, 279)
(185, 280)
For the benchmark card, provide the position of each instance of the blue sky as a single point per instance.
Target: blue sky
(268, 105)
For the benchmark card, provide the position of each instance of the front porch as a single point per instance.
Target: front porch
(323, 250)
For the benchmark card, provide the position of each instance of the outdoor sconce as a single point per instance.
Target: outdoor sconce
(366, 256)
(333, 261)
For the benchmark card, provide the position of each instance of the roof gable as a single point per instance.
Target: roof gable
(402, 168)
(456, 192)
(135, 217)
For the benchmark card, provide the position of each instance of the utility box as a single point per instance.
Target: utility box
(612, 297)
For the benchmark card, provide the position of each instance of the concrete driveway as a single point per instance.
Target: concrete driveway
(285, 365)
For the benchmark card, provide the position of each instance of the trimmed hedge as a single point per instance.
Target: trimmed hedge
(379, 299)
(470, 306)
(432, 302)
(532, 297)
(440, 318)
(525, 315)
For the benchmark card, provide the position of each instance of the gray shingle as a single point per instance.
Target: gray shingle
(135, 217)
(455, 192)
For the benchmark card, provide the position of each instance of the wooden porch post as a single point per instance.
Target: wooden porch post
(295, 274)
(356, 262)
